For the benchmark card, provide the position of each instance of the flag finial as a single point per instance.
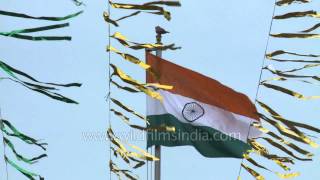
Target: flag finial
(160, 31)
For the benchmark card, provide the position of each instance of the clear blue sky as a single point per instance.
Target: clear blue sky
(221, 39)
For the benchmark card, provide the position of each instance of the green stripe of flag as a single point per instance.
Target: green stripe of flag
(208, 141)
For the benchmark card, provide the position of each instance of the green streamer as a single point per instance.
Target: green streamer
(20, 15)
(19, 156)
(28, 174)
(16, 133)
(18, 33)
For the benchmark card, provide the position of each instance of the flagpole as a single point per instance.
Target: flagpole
(157, 167)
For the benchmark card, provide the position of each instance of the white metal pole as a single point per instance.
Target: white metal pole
(157, 167)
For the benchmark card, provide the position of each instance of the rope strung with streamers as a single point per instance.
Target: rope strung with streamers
(128, 156)
(4, 147)
(133, 159)
(112, 166)
(258, 87)
(9, 132)
(288, 129)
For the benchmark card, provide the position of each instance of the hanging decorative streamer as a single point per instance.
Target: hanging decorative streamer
(17, 134)
(147, 7)
(286, 129)
(298, 15)
(116, 170)
(129, 57)
(20, 15)
(14, 133)
(19, 34)
(289, 92)
(78, 3)
(137, 46)
(282, 140)
(125, 88)
(251, 171)
(288, 132)
(31, 83)
(289, 2)
(293, 60)
(281, 52)
(144, 8)
(288, 75)
(316, 26)
(129, 156)
(277, 116)
(129, 110)
(134, 60)
(142, 87)
(134, 159)
(296, 35)
(28, 174)
(126, 120)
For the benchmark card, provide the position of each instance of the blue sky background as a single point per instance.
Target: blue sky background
(221, 39)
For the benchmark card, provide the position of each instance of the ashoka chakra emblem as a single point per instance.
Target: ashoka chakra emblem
(192, 111)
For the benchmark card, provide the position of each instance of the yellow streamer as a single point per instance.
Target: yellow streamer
(289, 92)
(115, 169)
(151, 6)
(298, 14)
(281, 52)
(282, 148)
(312, 28)
(129, 57)
(137, 46)
(141, 155)
(280, 139)
(256, 175)
(128, 109)
(125, 78)
(107, 18)
(289, 2)
(288, 176)
(296, 35)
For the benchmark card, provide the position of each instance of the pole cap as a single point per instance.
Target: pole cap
(160, 30)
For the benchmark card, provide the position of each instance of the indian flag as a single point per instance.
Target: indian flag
(205, 114)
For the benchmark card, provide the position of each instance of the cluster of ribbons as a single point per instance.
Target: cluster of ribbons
(9, 73)
(282, 134)
(132, 155)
